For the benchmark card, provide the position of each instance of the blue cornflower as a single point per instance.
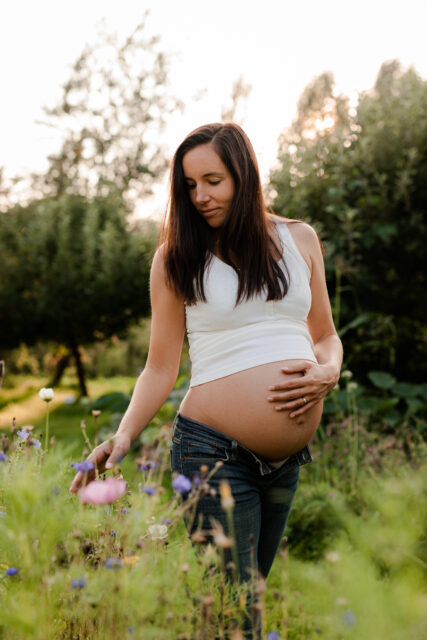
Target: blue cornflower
(150, 464)
(3, 457)
(78, 583)
(12, 571)
(349, 618)
(113, 563)
(83, 466)
(113, 533)
(166, 521)
(181, 483)
(149, 490)
(23, 434)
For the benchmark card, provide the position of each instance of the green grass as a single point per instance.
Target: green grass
(355, 566)
(370, 582)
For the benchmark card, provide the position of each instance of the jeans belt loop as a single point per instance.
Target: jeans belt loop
(234, 446)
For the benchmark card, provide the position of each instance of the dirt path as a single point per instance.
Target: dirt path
(30, 410)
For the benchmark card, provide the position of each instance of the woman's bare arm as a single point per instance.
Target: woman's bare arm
(300, 394)
(157, 379)
(159, 375)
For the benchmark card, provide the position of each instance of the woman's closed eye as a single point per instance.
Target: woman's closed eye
(211, 182)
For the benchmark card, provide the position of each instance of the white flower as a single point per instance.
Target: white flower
(352, 386)
(347, 374)
(46, 394)
(158, 531)
(332, 556)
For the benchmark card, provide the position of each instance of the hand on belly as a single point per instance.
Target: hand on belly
(299, 395)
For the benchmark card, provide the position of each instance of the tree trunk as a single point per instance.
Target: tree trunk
(1, 372)
(61, 365)
(79, 367)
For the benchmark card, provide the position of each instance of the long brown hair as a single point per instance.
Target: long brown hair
(243, 238)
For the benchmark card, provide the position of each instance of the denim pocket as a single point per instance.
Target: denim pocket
(196, 448)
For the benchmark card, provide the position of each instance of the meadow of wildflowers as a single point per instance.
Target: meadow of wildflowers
(114, 561)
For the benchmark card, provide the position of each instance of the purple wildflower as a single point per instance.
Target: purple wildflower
(12, 571)
(148, 490)
(83, 466)
(113, 563)
(113, 533)
(78, 583)
(166, 521)
(181, 483)
(3, 457)
(273, 635)
(37, 444)
(125, 510)
(150, 464)
(23, 434)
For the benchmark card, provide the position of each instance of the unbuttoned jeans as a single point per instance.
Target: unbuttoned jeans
(262, 494)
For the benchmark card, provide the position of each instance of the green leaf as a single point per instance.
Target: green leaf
(392, 418)
(376, 404)
(382, 379)
(360, 319)
(115, 401)
(406, 389)
(414, 404)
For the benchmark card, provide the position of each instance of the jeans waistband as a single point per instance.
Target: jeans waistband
(188, 426)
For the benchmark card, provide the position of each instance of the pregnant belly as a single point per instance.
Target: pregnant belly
(237, 405)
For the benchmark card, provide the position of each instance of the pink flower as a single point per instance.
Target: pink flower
(103, 492)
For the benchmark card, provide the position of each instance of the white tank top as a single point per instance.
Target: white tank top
(225, 338)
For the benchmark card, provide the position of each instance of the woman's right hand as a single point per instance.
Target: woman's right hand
(104, 456)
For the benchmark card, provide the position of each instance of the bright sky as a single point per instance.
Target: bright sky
(278, 46)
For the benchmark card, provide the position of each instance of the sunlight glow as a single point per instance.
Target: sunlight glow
(324, 123)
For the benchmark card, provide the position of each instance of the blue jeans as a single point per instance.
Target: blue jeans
(262, 493)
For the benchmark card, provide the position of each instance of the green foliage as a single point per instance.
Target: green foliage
(362, 576)
(315, 521)
(110, 114)
(358, 175)
(400, 404)
(72, 271)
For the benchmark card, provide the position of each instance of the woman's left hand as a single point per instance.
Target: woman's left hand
(301, 394)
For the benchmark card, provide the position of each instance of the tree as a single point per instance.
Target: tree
(239, 94)
(112, 110)
(358, 175)
(72, 271)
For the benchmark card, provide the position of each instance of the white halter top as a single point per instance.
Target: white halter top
(225, 338)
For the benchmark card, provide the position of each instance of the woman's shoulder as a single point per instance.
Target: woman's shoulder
(303, 234)
(298, 228)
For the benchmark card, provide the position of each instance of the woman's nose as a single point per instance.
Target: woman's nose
(201, 194)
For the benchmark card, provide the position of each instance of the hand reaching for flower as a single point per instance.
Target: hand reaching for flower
(103, 457)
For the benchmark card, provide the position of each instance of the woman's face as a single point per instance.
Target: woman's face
(210, 184)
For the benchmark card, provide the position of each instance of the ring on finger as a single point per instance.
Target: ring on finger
(304, 400)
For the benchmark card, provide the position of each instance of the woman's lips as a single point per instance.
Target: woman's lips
(209, 212)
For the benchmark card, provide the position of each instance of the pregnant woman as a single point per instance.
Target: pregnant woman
(249, 288)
